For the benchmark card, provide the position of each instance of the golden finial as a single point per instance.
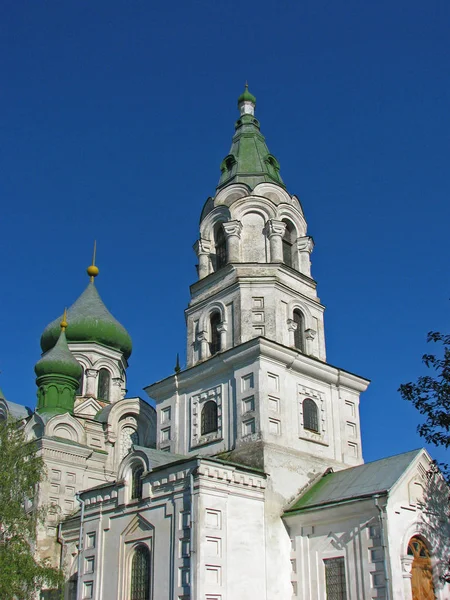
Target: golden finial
(93, 270)
(63, 323)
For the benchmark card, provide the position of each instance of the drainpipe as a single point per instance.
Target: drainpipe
(384, 546)
(62, 544)
(192, 540)
(80, 546)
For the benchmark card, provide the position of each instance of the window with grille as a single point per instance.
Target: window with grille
(299, 331)
(310, 415)
(215, 345)
(221, 248)
(104, 380)
(136, 482)
(209, 417)
(140, 574)
(335, 578)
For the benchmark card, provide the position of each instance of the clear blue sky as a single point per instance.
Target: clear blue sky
(116, 116)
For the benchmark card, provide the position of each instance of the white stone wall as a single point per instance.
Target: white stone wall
(209, 535)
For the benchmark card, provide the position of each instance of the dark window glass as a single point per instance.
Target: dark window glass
(335, 578)
(104, 378)
(140, 574)
(300, 331)
(221, 248)
(209, 417)
(214, 345)
(80, 385)
(288, 243)
(136, 482)
(310, 415)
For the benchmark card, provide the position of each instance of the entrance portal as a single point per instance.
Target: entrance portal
(422, 575)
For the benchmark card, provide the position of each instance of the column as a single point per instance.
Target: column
(202, 248)
(305, 246)
(233, 233)
(222, 329)
(407, 576)
(202, 340)
(292, 328)
(91, 382)
(275, 231)
(310, 335)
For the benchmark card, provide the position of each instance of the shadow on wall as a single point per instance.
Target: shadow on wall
(435, 508)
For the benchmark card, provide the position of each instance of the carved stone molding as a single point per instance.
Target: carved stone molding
(202, 246)
(407, 562)
(305, 244)
(310, 334)
(274, 227)
(292, 325)
(92, 373)
(232, 228)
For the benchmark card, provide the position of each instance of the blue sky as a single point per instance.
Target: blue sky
(116, 116)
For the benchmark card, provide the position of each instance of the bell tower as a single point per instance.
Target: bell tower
(253, 256)
(257, 388)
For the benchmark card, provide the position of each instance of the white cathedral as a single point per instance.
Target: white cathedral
(247, 480)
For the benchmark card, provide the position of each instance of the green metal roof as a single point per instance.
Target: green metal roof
(377, 477)
(89, 321)
(249, 160)
(59, 360)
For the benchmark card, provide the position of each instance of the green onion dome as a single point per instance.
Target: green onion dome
(59, 360)
(89, 321)
(246, 96)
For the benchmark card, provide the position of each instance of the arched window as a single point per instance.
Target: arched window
(128, 437)
(214, 322)
(136, 482)
(310, 415)
(421, 571)
(140, 574)
(221, 247)
(299, 333)
(80, 385)
(288, 242)
(209, 417)
(104, 380)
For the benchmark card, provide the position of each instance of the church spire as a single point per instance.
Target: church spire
(249, 160)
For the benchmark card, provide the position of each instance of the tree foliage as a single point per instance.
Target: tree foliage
(21, 573)
(430, 394)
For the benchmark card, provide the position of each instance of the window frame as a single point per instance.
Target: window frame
(209, 422)
(101, 372)
(310, 419)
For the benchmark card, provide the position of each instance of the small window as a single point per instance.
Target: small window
(140, 574)
(288, 243)
(299, 331)
(80, 385)
(215, 344)
(90, 540)
(335, 583)
(209, 417)
(221, 247)
(104, 380)
(136, 482)
(310, 415)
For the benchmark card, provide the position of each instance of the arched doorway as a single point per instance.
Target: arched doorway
(422, 574)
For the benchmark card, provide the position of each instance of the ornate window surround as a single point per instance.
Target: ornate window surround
(320, 437)
(197, 403)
